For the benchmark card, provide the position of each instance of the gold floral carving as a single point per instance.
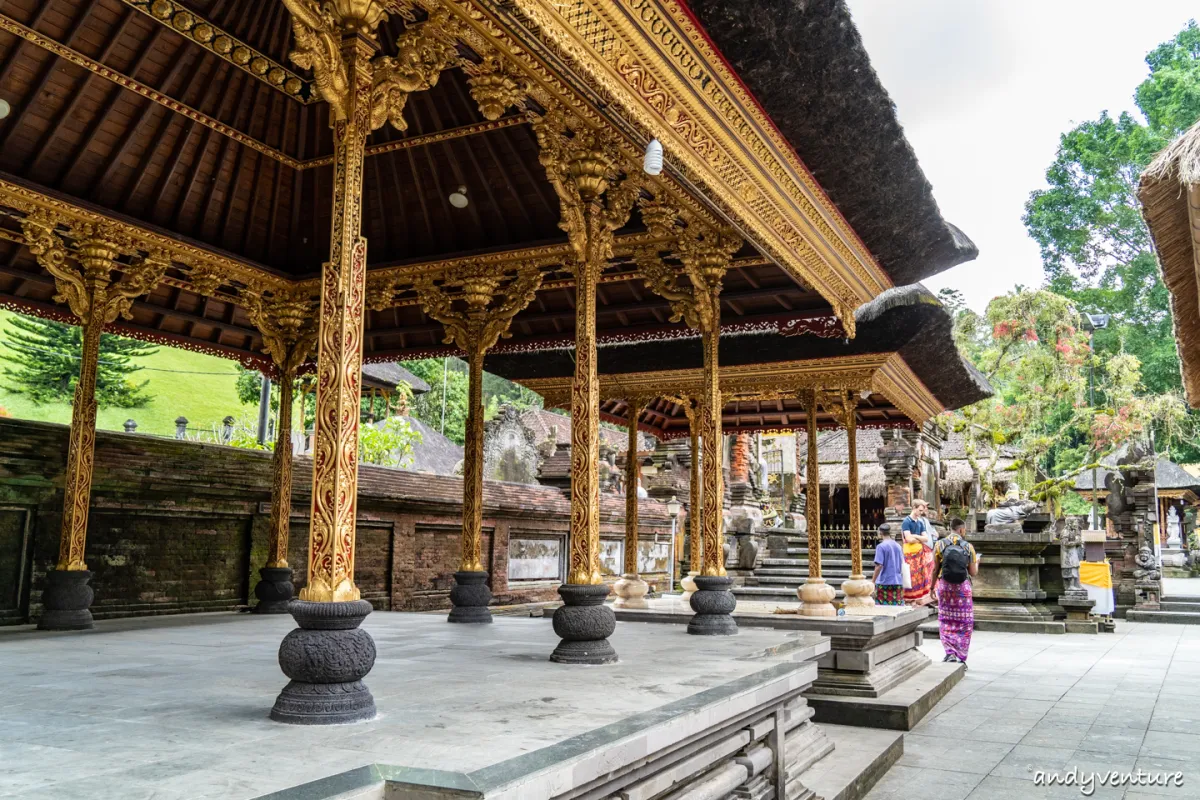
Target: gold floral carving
(843, 406)
(812, 495)
(320, 29)
(476, 305)
(88, 288)
(634, 54)
(696, 488)
(597, 190)
(495, 86)
(287, 322)
(633, 477)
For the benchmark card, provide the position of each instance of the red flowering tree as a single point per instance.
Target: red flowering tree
(1032, 346)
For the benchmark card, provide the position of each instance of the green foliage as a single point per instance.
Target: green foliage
(1031, 347)
(451, 373)
(389, 444)
(46, 356)
(1095, 247)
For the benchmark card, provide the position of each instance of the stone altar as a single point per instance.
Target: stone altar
(1008, 591)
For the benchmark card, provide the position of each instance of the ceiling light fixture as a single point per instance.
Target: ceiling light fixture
(5, 108)
(458, 198)
(653, 162)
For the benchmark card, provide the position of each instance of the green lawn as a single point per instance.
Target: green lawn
(198, 386)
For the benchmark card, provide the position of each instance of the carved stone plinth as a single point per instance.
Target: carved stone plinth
(326, 658)
(66, 600)
(860, 596)
(714, 605)
(816, 598)
(584, 624)
(274, 590)
(689, 584)
(470, 598)
(1008, 589)
(1078, 607)
(631, 592)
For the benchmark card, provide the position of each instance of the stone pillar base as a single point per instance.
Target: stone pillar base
(66, 601)
(688, 582)
(714, 605)
(860, 596)
(816, 598)
(470, 597)
(584, 624)
(274, 590)
(326, 658)
(631, 592)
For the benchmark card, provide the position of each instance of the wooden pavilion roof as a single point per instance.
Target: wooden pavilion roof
(902, 365)
(185, 123)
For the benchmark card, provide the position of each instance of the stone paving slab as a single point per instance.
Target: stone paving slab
(1118, 702)
(177, 708)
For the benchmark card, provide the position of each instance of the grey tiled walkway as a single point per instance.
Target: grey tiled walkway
(1115, 702)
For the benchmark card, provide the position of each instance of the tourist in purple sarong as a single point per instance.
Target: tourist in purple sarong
(955, 563)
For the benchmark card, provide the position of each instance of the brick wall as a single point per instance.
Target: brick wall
(182, 526)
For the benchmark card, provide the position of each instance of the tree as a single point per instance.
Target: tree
(47, 357)
(1031, 346)
(389, 444)
(1095, 247)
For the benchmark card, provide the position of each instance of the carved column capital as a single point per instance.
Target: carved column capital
(288, 324)
(476, 303)
(495, 86)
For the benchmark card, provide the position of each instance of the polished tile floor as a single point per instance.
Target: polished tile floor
(1029, 702)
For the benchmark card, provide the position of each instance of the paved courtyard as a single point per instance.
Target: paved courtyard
(176, 708)
(1116, 702)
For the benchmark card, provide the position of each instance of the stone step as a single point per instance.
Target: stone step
(1169, 617)
(1189, 606)
(781, 572)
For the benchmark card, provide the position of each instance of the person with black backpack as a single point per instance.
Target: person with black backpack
(955, 563)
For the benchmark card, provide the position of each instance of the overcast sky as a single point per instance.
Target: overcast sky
(985, 88)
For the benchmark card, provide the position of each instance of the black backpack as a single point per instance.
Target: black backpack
(955, 560)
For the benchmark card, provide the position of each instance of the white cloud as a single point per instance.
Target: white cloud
(985, 89)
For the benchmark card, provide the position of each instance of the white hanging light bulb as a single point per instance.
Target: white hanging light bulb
(458, 198)
(653, 163)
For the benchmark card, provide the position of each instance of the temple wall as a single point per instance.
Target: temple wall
(182, 526)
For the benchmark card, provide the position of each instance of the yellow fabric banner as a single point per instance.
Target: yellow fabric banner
(1094, 574)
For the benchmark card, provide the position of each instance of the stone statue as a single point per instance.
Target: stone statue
(510, 452)
(1011, 511)
(1147, 566)
(1072, 555)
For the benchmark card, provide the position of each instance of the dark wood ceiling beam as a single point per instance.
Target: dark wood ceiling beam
(472, 208)
(114, 94)
(465, 101)
(256, 181)
(127, 139)
(181, 143)
(291, 112)
(297, 179)
(77, 93)
(43, 76)
(239, 161)
(17, 46)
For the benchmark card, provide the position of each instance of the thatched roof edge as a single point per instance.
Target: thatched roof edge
(806, 64)
(1164, 194)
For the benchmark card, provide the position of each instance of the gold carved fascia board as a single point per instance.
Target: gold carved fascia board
(207, 270)
(195, 28)
(885, 373)
(647, 59)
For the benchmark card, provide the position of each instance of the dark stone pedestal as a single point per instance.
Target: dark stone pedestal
(584, 624)
(274, 590)
(1078, 607)
(65, 601)
(470, 597)
(326, 659)
(714, 605)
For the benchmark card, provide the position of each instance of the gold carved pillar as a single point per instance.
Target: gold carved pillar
(585, 170)
(287, 324)
(695, 502)
(96, 299)
(336, 40)
(816, 596)
(631, 590)
(859, 590)
(475, 305)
